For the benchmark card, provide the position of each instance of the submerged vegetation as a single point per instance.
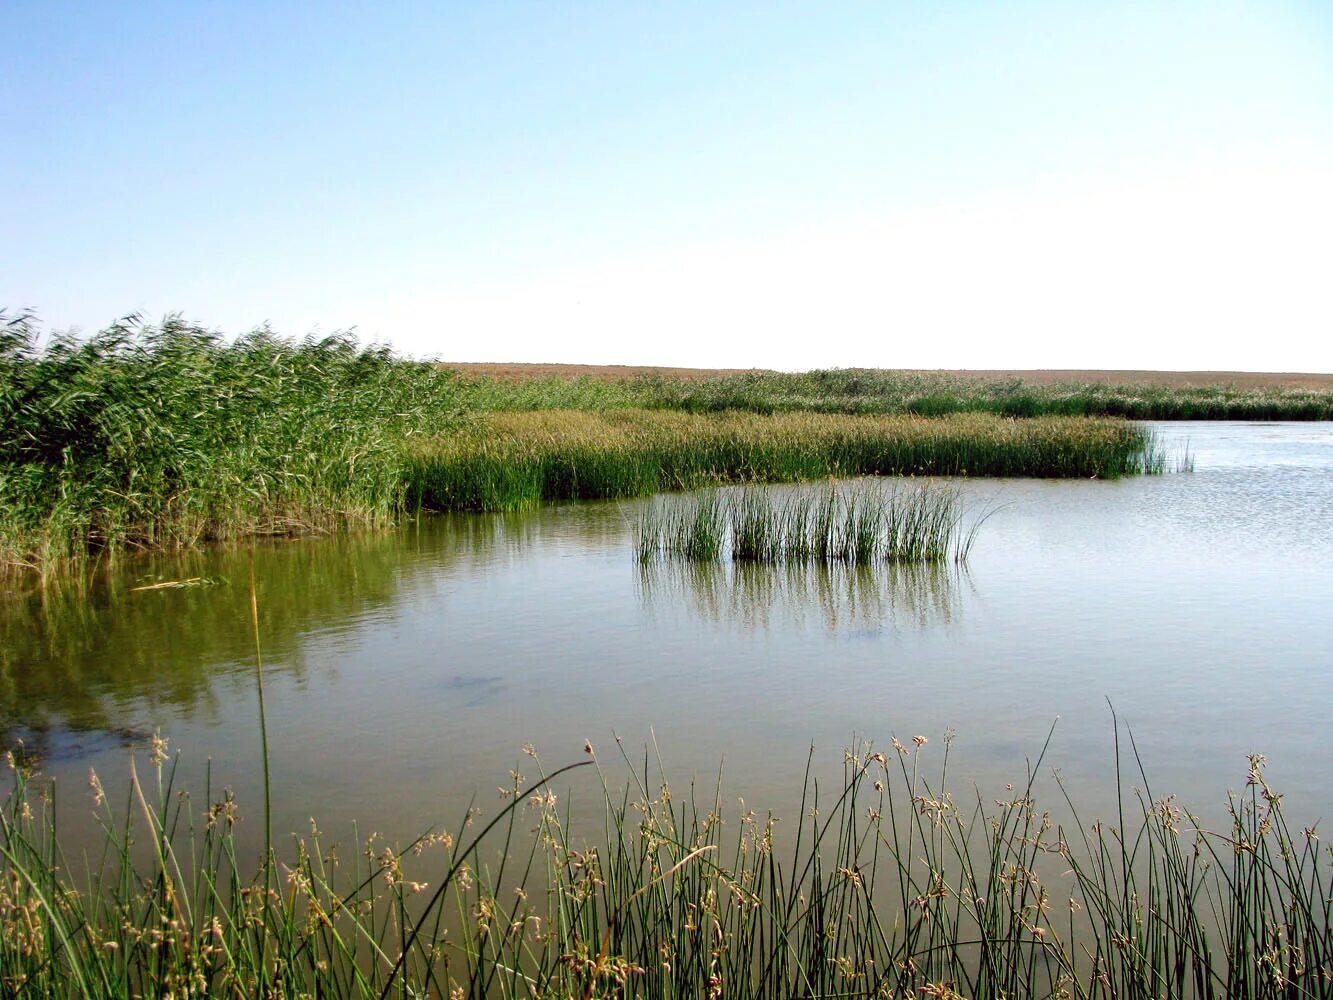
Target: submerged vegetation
(887, 884)
(169, 437)
(859, 525)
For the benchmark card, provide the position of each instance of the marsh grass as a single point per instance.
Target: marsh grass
(695, 528)
(859, 524)
(510, 461)
(168, 437)
(892, 882)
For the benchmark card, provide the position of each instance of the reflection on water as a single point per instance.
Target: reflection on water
(101, 659)
(88, 665)
(837, 597)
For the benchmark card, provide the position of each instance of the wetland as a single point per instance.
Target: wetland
(390, 598)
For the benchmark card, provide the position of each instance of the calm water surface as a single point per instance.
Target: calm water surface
(405, 670)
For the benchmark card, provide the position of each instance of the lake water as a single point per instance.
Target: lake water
(404, 670)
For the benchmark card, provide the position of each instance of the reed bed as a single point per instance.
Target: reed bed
(509, 461)
(168, 437)
(888, 883)
(859, 525)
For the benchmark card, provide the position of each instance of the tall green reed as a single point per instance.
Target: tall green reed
(861, 524)
(166, 436)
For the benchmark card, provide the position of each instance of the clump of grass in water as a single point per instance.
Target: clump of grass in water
(694, 528)
(858, 525)
(756, 528)
(884, 884)
(1155, 460)
(1184, 459)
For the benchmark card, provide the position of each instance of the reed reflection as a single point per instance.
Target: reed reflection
(836, 597)
(96, 660)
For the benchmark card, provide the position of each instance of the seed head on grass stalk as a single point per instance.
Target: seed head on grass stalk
(888, 883)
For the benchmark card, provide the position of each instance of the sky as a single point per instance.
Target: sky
(891, 184)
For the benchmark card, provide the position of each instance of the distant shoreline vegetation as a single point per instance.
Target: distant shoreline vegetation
(885, 391)
(168, 437)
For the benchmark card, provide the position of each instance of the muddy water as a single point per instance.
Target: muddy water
(404, 670)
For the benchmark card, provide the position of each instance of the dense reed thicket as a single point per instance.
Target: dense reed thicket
(514, 460)
(161, 437)
(860, 526)
(885, 884)
(892, 392)
(152, 437)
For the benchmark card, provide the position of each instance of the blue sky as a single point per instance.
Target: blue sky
(783, 185)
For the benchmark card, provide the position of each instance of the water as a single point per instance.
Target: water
(404, 671)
